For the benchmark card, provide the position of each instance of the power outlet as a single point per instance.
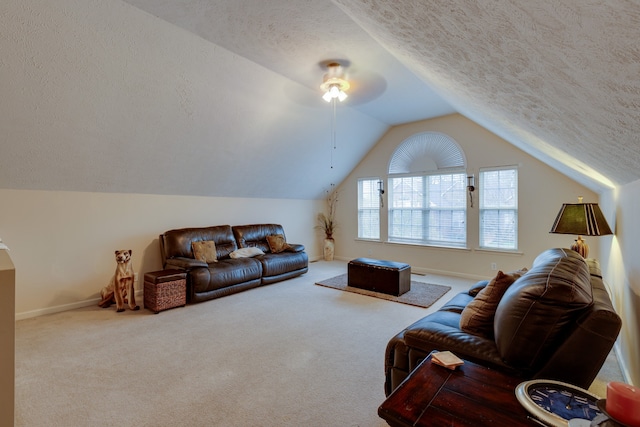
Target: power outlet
(494, 266)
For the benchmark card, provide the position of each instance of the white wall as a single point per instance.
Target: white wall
(99, 96)
(621, 268)
(542, 191)
(63, 243)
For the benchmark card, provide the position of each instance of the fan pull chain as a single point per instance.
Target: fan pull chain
(333, 129)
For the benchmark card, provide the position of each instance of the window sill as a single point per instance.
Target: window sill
(453, 248)
(500, 251)
(424, 245)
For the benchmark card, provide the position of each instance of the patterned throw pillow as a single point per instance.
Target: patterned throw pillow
(205, 251)
(277, 243)
(477, 316)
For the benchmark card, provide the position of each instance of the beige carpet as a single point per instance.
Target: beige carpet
(288, 354)
(420, 294)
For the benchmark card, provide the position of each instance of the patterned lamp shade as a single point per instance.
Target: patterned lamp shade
(583, 219)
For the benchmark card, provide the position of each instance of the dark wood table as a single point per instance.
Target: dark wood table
(471, 396)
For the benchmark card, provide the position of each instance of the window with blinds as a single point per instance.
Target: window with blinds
(499, 208)
(427, 191)
(368, 209)
(428, 209)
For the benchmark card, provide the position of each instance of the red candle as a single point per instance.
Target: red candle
(623, 403)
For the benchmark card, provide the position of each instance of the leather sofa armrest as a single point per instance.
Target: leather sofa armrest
(295, 247)
(439, 331)
(475, 289)
(457, 303)
(185, 263)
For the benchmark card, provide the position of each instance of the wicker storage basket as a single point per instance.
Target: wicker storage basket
(165, 289)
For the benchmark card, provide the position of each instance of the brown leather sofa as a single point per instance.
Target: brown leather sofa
(227, 275)
(555, 322)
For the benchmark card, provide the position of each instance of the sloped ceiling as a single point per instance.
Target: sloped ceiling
(221, 98)
(560, 80)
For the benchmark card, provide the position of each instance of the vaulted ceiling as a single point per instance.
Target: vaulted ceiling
(560, 80)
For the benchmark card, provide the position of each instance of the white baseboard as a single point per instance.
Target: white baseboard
(424, 271)
(65, 307)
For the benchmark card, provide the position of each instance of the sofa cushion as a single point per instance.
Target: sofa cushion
(225, 273)
(477, 316)
(539, 310)
(277, 243)
(205, 250)
(256, 235)
(177, 243)
(278, 264)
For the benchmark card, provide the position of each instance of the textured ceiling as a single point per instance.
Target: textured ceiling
(297, 38)
(184, 96)
(560, 79)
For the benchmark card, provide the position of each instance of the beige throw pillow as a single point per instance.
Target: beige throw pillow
(246, 252)
(205, 251)
(477, 316)
(277, 243)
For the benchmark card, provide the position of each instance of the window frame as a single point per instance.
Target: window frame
(373, 208)
(501, 211)
(430, 234)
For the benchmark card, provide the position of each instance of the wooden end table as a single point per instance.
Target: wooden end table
(469, 396)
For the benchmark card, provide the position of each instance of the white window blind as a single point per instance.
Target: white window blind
(499, 208)
(428, 209)
(368, 209)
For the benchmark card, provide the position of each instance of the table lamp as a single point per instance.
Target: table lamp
(583, 219)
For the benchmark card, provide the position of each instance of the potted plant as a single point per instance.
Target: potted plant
(327, 223)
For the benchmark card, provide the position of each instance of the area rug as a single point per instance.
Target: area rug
(421, 294)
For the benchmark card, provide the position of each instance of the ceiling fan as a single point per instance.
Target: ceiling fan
(341, 81)
(334, 84)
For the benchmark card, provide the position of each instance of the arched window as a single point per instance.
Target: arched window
(427, 191)
(426, 151)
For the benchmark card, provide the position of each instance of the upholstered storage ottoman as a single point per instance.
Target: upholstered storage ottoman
(388, 277)
(165, 289)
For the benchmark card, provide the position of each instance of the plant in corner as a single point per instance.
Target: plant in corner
(327, 223)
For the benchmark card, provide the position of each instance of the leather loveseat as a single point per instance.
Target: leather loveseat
(224, 274)
(555, 321)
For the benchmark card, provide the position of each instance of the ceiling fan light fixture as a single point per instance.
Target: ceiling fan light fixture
(334, 85)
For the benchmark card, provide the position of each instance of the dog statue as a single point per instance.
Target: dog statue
(121, 285)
